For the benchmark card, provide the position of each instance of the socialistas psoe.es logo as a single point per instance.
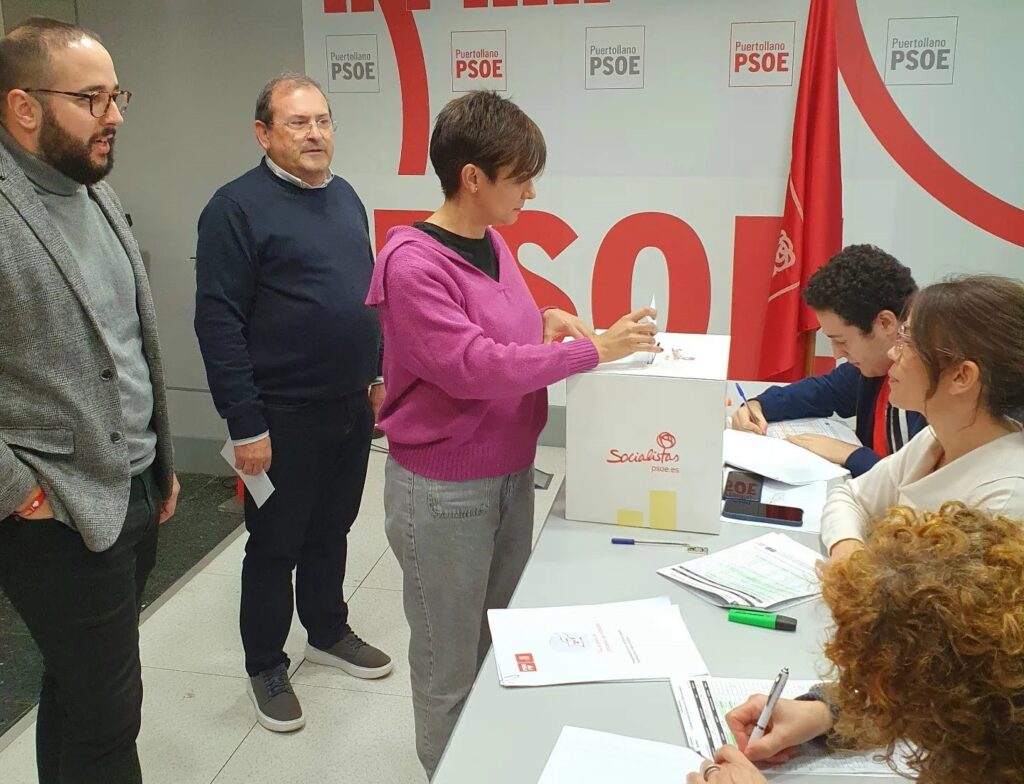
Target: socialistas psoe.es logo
(660, 458)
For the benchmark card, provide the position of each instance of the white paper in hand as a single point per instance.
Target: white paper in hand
(259, 486)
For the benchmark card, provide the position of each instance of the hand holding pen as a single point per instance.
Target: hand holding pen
(749, 416)
(790, 724)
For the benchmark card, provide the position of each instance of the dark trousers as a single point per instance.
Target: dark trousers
(320, 450)
(82, 609)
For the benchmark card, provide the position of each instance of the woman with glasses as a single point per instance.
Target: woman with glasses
(468, 360)
(959, 361)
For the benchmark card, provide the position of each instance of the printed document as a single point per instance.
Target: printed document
(832, 428)
(704, 702)
(622, 641)
(766, 573)
(259, 486)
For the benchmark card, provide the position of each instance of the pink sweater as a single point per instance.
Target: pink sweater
(465, 365)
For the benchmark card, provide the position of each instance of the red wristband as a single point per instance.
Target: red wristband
(33, 504)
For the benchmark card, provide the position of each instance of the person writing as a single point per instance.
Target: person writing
(928, 648)
(858, 297)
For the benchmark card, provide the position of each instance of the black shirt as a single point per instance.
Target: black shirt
(480, 253)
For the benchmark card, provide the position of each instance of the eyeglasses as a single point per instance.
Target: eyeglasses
(99, 102)
(902, 337)
(325, 125)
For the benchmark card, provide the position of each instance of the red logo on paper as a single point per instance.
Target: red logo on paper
(666, 440)
(525, 662)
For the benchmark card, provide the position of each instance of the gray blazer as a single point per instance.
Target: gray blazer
(60, 412)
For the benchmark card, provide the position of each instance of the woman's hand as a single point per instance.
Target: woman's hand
(793, 722)
(729, 767)
(558, 324)
(627, 336)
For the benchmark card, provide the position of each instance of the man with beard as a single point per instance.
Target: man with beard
(292, 354)
(85, 446)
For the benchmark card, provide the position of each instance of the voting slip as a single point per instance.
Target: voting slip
(585, 756)
(777, 459)
(623, 641)
(767, 573)
(259, 486)
(704, 702)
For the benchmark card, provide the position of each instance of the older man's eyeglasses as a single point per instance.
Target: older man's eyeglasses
(298, 126)
(99, 101)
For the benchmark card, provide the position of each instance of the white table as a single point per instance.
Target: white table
(504, 736)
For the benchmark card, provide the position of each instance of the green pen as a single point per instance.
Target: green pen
(765, 620)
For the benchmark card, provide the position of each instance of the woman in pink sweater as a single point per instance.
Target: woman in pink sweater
(469, 358)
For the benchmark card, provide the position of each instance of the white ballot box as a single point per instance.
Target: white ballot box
(643, 442)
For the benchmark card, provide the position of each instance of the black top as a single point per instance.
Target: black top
(480, 253)
(282, 276)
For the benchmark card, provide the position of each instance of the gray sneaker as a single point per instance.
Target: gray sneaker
(277, 707)
(351, 654)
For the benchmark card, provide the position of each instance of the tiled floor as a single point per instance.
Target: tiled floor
(198, 725)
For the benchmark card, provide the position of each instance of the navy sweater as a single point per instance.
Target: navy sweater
(282, 275)
(844, 391)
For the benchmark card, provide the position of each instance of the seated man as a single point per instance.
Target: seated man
(859, 297)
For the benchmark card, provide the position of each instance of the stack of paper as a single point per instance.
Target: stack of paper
(777, 459)
(624, 641)
(832, 428)
(768, 573)
(704, 702)
(590, 757)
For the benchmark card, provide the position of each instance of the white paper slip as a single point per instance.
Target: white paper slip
(767, 573)
(623, 641)
(704, 702)
(259, 486)
(590, 757)
(777, 459)
(832, 428)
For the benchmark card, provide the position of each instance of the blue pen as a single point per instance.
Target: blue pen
(746, 402)
(690, 548)
(743, 397)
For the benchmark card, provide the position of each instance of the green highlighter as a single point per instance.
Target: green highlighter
(765, 620)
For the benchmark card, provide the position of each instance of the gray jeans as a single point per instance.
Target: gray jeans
(462, 547)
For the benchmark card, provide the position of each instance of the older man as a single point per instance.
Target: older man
(292, 356)
(85, 446)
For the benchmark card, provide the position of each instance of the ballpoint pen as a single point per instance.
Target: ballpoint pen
(691, 548)
(746, 402)
(773, 697)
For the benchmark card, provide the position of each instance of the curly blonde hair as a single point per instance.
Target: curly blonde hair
(929, 643)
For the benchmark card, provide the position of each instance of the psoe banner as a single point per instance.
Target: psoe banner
(668, 127)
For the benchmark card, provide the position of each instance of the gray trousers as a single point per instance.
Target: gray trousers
(462, 547)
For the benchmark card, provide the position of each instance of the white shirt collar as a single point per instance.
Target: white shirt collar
(288, 177)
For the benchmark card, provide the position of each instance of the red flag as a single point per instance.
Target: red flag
(812, 222)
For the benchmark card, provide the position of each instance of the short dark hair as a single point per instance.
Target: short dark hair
(26, 52)
(978, 318)
(858, 283)
(264, 111)
(488, 131)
